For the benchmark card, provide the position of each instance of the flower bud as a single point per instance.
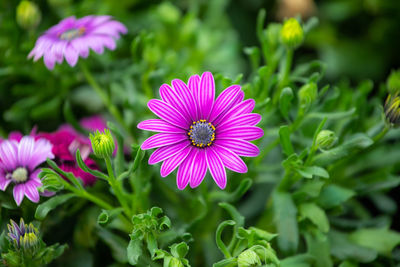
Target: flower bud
(307, 95)
(102, 143)
(292, 34)
(28, 15)
(23, 237)
(248, 258)
(393, 82)
(392, 109)
(174, 262)
(326, 139)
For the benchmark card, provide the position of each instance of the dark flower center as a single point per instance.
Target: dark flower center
(202, 133)
(72, 34)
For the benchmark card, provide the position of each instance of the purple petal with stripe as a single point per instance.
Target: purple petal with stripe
(249, 119)
(4, 182)
(199, 168)
(240, 147)
(31, 192)
(206, 94)
(216, 167)
(8, 154)
(243, 132)
(186, 95)
(25, 150)
(166, 152)
(184, 171)
(231, 160)
(244, 107)
(42, 151)
(167, 112)
(224, 101)
(162, 139)
(171, 97)
(156, 125)
(170, 164)
(19, 192)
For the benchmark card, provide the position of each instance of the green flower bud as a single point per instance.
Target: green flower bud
(102, 143)
(392, 109)
(326, 139)
(28, 15)
(307, 95)
(292, 34)
(393, 82)
(23, 237)
(248, 258)
(174, 262)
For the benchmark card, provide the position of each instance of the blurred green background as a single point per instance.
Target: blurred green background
(357, 39)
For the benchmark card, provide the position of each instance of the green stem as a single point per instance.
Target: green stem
(106, 100)
(285, 75)
(382, 134)
(116, 186)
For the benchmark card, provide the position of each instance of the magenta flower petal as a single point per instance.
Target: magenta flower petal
(231, 160)
(184, 171)
(42, 151)
(249, 119)
(71, 55)
(166, 152)
(216, 167)
(170, 164)
(207, 94)
(244, 107)
(224, 101)
(240, 147)
(199, 168)
(167, 113)
(212, 135)
(156, 125)
(162, 139)
(248, 133)
(169, 96)
(19, 192)
(185, 94)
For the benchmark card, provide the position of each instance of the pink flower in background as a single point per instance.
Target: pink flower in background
(200, 133)
(18, 165)
(72, 38)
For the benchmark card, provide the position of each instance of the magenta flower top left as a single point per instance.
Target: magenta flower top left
(72, 38)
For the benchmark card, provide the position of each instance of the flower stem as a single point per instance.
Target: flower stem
(382, 133)
(285, 75)
(116, 186)
(106, 100)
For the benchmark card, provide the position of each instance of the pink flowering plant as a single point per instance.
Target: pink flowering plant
(137, 141)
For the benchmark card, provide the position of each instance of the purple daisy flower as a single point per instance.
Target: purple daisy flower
(199, 132)
(18, 164)
(73, 37)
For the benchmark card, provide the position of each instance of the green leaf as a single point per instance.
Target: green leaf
(67, 175)
(232, 262)
(117, 244)
(284, 135)
(220, 244)
(285, 100)
(318, 246)
(234, 196)
(43, 209)
(301, 260)
(334, 195)
(309, 172)
(134, 250)
(315, 214)
(152, 245)
(310, 188)
(285, 213)
(179, 250)
(342, 248)
(379, 239)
